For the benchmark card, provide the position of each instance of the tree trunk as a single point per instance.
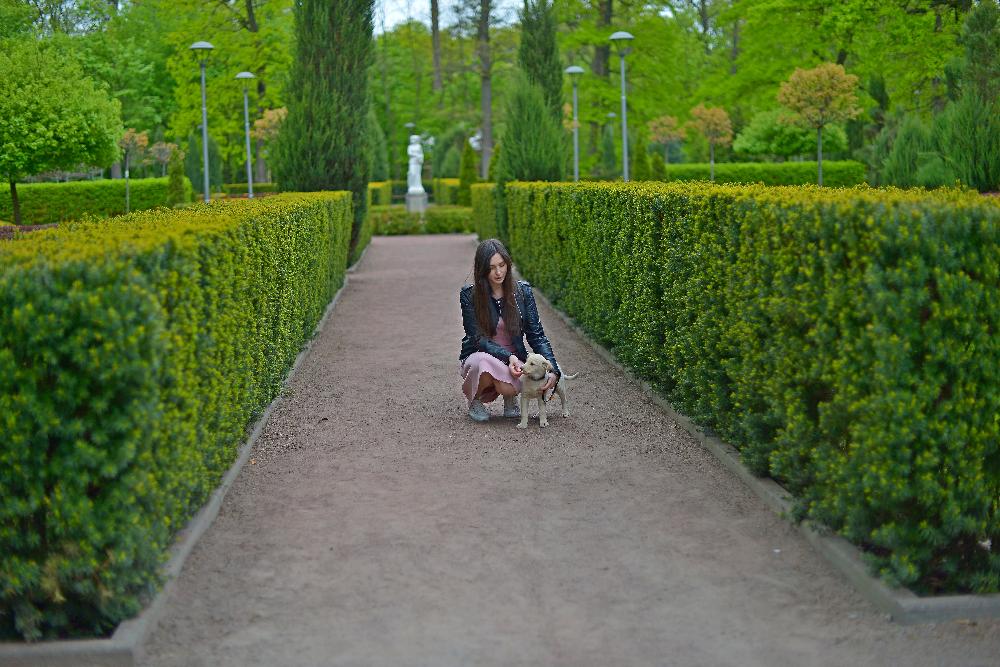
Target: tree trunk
(819, 153)
(436, 45)
(15, 202)
(485, 87)
(734, 53)
(711, 161)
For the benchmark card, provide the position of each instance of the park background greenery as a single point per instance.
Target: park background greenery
(918, 98)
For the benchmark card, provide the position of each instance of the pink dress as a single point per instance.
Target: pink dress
(479, 362)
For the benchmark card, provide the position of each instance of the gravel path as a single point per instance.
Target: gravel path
(379, 525)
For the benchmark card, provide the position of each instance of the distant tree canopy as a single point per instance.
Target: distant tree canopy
(51, 115)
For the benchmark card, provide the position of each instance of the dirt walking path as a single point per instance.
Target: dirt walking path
(379, 525)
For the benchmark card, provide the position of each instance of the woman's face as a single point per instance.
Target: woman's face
(498, 271)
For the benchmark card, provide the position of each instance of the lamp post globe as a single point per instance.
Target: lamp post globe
(622, 41)
(245, 77)
(575, 71)
(202, 49)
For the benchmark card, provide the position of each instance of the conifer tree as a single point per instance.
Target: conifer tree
(323, 143)
(467, 175)
(538, 55)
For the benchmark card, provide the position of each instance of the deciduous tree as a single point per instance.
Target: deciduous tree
(818, 97)
(712, 123)
(51, 115)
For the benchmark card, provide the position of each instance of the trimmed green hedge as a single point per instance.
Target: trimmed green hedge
(380, 193)
(445, 191)
(134, 354)
(835, 174)
(242, 189)
(844, 340)
(394, 220)
(484, 210)
(43, 203)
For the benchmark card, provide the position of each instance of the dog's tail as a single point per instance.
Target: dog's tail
(570, 377)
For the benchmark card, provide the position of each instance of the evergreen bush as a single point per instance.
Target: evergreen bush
(136, 353)
(843, 339)
(468, 174)
(44, 203)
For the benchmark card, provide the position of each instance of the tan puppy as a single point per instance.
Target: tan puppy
(532, 380)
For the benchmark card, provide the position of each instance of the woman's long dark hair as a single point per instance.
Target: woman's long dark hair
(482, 294)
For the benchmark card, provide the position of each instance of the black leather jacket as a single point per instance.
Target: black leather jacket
(530, 326)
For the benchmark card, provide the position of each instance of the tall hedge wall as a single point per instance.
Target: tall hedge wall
(846, 341)
(134, 353)
(43, 203)
(835, 173)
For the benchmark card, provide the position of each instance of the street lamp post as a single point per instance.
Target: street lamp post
(621, 40)
(573, 71)
(246, 76)
(203, 48)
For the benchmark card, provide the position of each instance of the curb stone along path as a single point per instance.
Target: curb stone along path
(900, 604)
(381, 526)
(124, 646)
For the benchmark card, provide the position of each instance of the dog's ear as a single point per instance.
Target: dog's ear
(547, 364)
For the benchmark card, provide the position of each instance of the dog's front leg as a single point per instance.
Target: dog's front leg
(542, 419)
(524, 412)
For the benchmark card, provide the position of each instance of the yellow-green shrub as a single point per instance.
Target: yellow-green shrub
(845, 340)
(134, 353)
(446, 191)
(394, 220)
(43, 203)
(484, 215)
(380, 193)
(845, 173)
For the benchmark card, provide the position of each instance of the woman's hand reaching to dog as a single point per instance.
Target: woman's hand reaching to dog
(516, 368)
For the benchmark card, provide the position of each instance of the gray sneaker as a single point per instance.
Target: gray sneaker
(478, 411)
(511, 406)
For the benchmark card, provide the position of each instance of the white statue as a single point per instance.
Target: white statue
(416, 153)
(476, 140)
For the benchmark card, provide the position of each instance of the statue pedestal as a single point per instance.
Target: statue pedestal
(416, 202)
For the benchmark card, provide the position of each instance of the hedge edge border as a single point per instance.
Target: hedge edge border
(901, 605)
(125, 646)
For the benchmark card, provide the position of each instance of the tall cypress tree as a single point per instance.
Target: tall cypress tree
(538, 55)
(323, 143)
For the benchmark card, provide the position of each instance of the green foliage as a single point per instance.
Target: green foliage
(381, 193)
(769, 137)
(136, 352)
(451, 163)
(194, 164)
(967, 139)
(44, 203)
(438, 219)
(836, 174)
(909, 149)
(15, 19)
(658, 168)
(608, 167)
(537, 55)
(178, 186)
(261, 43)
(468, 174)
(51, 115)
(322, 143)
(639, 169)
(843, 340)
(484, 216)
(239, 189)
(378, 151)
(533, 141)
(447, 191)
